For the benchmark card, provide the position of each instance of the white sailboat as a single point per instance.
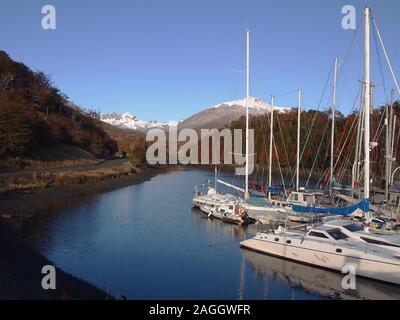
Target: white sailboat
(227, 206)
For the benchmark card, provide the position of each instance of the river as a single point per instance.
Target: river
(146, 241)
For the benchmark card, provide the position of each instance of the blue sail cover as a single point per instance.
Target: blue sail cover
(344, 211)
(276, 190)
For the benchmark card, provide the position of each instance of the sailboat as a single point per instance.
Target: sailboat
(326, 245)
(305, 205)
(226, 206)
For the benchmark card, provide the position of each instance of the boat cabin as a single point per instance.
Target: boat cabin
(326, 233)
(302, 198)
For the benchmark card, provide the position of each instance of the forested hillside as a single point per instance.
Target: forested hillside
(34, 114)
(315, 139)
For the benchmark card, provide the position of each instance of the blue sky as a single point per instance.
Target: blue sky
(168, 59)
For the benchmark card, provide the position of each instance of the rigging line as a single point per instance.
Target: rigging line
(346, 85)
(347, 152)
(380, 127)
(325, 87)
(349, 146)
(380, 67)
(267, 125)
(347, 54)
(277, 157)
(315, 159)
(386, 56)
(346, 126)
(284, 147)
(316, 113)
(285, 93)
(351, 111)
(311, 145)
(345, 142)
(341, 138)
(279, 166)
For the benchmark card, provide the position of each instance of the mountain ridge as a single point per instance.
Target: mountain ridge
(214, 116)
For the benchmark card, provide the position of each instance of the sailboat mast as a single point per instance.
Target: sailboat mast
(387, 152)
(333, 124)
(271, 137)
(391, 137)
(298, 140)
(246, 193)
(367, 100)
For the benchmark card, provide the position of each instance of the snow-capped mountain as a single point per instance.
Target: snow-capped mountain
(220, 115)
(130, 121)
(216, 116)
(254, 103)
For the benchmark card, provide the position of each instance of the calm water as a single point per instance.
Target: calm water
(147, 242)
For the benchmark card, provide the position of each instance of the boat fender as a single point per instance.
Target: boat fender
(279, 230)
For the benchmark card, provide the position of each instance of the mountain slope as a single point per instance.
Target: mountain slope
(223, 114)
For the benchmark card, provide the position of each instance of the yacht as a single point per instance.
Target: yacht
(212, 199)
(328, 247)
(322, 282)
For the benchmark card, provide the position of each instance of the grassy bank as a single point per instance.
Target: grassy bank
(41, 180)
(20, 266)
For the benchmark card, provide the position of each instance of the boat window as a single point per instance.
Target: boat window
(378, 242)
(231, 207)
(353, 227)
(317, 234)
(337, 234)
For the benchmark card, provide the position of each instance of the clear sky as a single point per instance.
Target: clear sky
(167, 59)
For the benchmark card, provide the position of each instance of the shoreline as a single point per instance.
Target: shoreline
(21, 264)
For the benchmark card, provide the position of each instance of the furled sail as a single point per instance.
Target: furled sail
(343, 211)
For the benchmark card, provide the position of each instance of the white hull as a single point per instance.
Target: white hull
(387, 270)
(227, 218)
(317, 280)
